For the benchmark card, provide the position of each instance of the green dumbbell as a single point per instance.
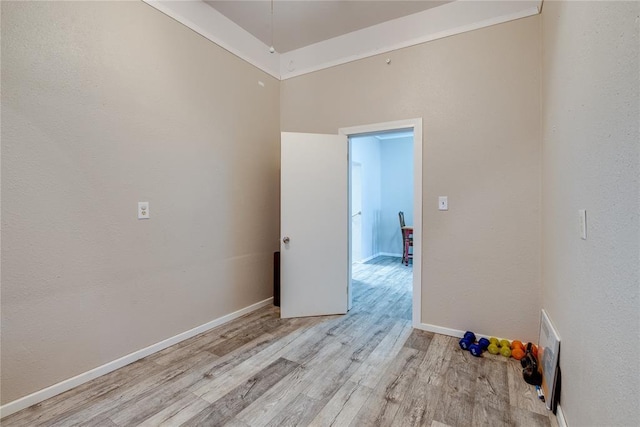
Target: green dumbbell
(505, 351)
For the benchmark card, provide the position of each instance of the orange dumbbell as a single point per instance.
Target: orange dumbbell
(517, 350)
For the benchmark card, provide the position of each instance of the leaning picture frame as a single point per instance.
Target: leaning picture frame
(548, 357)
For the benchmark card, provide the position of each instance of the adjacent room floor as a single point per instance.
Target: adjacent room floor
(366, 368)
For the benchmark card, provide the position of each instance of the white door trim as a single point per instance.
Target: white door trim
(416, 125)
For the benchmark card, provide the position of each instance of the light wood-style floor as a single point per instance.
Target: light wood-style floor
(366, 368)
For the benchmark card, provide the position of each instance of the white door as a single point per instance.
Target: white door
(314, 224)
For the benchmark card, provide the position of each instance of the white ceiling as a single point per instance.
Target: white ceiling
(339, 31)
(299, 23)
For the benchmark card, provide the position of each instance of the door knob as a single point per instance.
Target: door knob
(286, 240)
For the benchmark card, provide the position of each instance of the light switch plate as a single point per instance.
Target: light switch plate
(443, 203)
(582, 217)
(143, 210)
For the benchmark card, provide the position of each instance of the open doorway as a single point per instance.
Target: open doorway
(381, 200)
(414, 125)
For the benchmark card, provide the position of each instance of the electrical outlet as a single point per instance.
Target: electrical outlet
(143, 210)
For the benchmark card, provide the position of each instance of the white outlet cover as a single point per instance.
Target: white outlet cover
(143, 210)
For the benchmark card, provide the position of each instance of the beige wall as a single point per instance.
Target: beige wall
(108, 104)
(104, 105)
(591, 150)
(478, 95)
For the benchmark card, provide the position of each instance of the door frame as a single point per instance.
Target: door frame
(353, 164)
(416, 126)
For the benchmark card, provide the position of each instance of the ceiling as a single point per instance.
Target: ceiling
(299, 23)
(312, 35)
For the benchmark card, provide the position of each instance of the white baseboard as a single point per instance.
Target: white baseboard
(440, 330)
(562, 421)
(458, 333)
(390, 254)
(362, 261)
(61, 387)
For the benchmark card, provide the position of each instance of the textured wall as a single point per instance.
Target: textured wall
(591, 154)
(105, 104)
(396, 187)
(479, 96)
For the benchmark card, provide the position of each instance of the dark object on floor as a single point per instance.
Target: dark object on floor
(529, 363)
(556, 392)
(276, 279)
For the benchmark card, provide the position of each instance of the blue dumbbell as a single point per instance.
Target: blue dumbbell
(484, 343)
(467, 340)
(465, 343)
(476, 350)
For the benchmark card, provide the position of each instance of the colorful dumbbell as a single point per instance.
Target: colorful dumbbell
(475, 350)
(484, 343)
(517, 350)
(467, 340)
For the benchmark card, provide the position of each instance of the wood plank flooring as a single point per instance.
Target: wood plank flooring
(366, 368)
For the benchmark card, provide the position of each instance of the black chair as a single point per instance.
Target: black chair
(407, 239)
